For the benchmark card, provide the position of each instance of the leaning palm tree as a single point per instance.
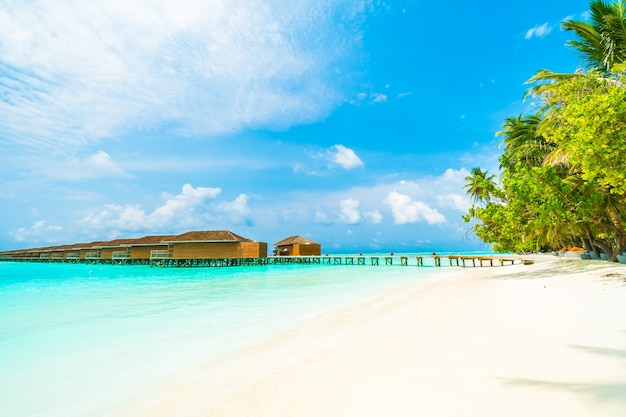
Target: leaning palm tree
(480, 186)
(602, 39)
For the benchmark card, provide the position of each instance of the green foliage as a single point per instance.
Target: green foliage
(587, 120)
(480, 186)
(563, 179)
(498, 227)
(602, 39)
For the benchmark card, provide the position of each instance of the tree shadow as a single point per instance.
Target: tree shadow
(554, 268)
(609, 391)
(620, 354)
(600, 392)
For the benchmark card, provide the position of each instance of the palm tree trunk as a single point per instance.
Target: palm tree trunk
(619, 232)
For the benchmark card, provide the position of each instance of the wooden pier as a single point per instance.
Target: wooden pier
(365, 260)
(460, 260)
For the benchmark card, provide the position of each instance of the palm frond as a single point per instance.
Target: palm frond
(601, 40)
(544, 79)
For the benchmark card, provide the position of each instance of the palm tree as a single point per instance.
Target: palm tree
(602, 40)
(523, 143)
(480, 186)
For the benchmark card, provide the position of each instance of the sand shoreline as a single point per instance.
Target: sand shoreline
(542, 340)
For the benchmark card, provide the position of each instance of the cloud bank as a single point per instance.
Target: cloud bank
(192, 208)
(74, 72)
(430, 205)
(405, 210)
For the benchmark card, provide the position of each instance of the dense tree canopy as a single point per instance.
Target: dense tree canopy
(563, 169)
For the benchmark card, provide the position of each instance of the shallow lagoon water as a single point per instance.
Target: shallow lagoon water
(78, 340)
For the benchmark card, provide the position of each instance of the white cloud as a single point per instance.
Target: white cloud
(373, 217)
(97, 165)
(77, 72)
(183, 204)
(429, 200)
(237, 210)
(344, 157)
(102, 161)
(379, 98)
(372, 98)
(51, 168)
(405, 210)
(38, 232)
(349, 211)
(187, 209)
(455, 201)
(538, 31)
(321, 217)
(324, 162)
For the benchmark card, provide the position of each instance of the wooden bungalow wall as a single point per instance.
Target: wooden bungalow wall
(143, 252)
(212, 250)
(254, 249)
(296, 249)
(85, 251)
(309, 250)
(107, 253)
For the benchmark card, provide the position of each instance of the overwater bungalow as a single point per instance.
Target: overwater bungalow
(214, 244)
(150, 246)
(297, 246)
(88, 250)
(115, 249)
(205, 244)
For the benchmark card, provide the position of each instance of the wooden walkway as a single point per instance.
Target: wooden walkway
(459, 260)
(371, 260)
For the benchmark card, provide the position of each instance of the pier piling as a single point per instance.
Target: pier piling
(374, 260)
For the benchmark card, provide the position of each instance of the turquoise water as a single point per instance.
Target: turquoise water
(78, 340)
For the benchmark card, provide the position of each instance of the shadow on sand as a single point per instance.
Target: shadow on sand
(610, 391)
(547, 268)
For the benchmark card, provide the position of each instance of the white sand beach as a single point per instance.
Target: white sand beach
(524, 340)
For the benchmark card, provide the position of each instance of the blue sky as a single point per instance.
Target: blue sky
(351, 122)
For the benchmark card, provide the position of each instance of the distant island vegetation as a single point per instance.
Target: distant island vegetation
(562, 178)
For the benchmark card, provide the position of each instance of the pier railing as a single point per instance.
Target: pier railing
(162, 258)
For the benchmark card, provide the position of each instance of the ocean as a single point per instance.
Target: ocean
(82, 340)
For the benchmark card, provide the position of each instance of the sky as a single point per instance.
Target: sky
(350, 122)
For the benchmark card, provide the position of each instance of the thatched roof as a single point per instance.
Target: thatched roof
(295, 239)
(208, 236)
